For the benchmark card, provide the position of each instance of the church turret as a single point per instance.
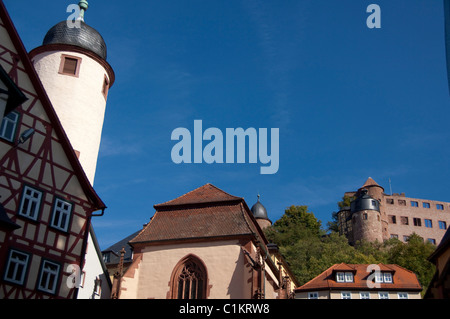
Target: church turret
(71, 64)
(260, 214)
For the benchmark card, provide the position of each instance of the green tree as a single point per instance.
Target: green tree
(413, 256)
(309, 251)
(332, 225)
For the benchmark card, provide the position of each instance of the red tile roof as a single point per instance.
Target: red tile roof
(205, 194)
(402, 279)
(370, 182)
(205, 212)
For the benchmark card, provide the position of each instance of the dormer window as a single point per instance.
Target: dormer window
(346, 276)
(383, 277)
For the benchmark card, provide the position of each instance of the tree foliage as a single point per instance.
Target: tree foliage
(310, 251)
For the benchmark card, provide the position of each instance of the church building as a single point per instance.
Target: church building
(205, 244)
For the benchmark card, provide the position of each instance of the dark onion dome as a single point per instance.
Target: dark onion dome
(364, 202)
(259, 211)
(84, 37)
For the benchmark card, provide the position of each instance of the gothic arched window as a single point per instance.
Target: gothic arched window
(189, 279)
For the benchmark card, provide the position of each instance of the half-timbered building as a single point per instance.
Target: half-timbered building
(46, 197)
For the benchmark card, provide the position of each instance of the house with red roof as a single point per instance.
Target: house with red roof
(362, 281)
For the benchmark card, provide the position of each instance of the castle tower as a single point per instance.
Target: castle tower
(71, 63)
(376, 191)
(260, 214)
(366, 218)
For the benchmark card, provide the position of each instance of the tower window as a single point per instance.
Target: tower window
(105, 87)
(70, 65)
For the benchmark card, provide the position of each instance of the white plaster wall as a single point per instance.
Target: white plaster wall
(78, 101)
(93, 269)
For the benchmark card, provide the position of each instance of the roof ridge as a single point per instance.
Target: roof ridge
(205, 199)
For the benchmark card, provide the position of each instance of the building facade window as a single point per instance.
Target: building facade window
(439, 207)
(313, 295)
(392, 219)
(62, 211)
(16, 267)
(70, 65)
(432, 240)
(8, 126)
(344, 276)
(346, 295)
(404, 220)
(402, 295)
(428, 223)
(383, 277)
(105, 87)
(364, 295)
(442, 225)
(417, 221)
(48, 277)
(189, 279)
(426, 205)
(30, 203)
(383, 295)
(414, 204)
(387, 277)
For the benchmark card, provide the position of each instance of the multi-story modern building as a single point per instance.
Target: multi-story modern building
(374, 215)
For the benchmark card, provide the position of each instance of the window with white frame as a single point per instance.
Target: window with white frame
(383, 295)
(346, 295)
(378, 277)
(402, 295)
(8, 126)
(364, 295)
(30, 202)
(48, 277)
(344, 276)
(61, 214)
(16, 267)
(387, 277)
(348, 277)
(383, 277)
(313, 295)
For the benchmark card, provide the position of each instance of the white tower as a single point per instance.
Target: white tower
(71, 64)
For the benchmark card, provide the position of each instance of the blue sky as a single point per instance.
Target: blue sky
(350, 102)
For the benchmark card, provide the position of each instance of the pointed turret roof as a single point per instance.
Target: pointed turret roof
(370, 183)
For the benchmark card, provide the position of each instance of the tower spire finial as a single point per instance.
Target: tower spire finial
(83, 4)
